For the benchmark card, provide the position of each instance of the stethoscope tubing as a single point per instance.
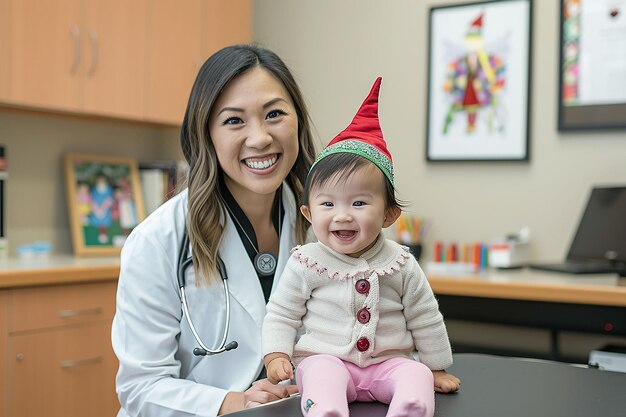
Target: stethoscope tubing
(222, 345)
(184, 262)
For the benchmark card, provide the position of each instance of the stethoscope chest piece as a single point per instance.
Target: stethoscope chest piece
(265, 263)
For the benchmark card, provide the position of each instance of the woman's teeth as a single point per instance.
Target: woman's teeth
(262, 164)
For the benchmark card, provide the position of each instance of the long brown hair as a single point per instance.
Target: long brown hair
(205, 201)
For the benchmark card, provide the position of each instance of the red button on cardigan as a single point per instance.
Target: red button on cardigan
(362, 286)
(362, 344)
(363, 315)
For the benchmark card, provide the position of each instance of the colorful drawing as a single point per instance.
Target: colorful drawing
(479, 81)
(571, 51)
(104, 201)
(474, 82)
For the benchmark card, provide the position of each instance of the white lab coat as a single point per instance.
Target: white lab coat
(159, 375)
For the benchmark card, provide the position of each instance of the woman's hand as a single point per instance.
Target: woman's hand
(445, 382)
(260, 392)
(263, 391)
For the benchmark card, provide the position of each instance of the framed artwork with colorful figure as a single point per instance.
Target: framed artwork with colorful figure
(592, 87)
(104, 202)
(479, 81)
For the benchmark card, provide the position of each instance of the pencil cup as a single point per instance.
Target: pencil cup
(416, 250)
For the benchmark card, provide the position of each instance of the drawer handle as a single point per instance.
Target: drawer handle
(81, 362)
(83, 312)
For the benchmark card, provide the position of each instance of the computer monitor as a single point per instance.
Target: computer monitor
(601, 234)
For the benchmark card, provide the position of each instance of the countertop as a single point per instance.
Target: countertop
(521, 284)
(56, 270)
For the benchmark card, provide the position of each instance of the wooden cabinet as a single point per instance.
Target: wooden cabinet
(179, 39)
(59, 356)
(78, 56)
(173, 57)
(135, 60)
(113, 78)
(4, 50)
(228, 22)
(45, 53)
(4, 376)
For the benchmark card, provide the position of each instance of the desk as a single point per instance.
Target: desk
(495, 386)
(530, 285)
(539, 299)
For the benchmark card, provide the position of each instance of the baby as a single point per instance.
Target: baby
(363, 300)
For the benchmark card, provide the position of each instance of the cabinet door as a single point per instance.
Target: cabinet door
(173, 47)
(5, 51)
(46, 54)
(39, 308)
(226, 23)
(68, 372)
(114, 38)
(4, 319)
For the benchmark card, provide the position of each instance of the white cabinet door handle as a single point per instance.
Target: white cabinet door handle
(75, 33)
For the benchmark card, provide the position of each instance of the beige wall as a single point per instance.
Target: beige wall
(35, 144)
(337, 48)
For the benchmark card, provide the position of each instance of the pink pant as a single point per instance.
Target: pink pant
(328, 384)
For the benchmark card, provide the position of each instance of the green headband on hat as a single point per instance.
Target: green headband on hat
(363, 149)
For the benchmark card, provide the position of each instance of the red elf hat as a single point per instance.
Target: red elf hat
(363, 136)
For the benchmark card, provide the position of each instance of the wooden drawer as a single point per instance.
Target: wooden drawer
(63, 372)
(56, 306)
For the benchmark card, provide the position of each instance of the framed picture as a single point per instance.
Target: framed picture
(592, 87)
(479, 81)
(104, 202)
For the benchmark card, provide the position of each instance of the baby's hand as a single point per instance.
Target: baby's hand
(279, 369)
(445, 382)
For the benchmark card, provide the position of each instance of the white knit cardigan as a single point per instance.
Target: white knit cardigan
(317, 291)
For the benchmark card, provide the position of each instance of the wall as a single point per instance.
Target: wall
(337, 48)
(35, 144)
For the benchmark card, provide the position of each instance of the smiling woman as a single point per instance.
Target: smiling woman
(247, 141)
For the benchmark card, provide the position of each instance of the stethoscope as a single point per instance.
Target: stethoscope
(184, 261)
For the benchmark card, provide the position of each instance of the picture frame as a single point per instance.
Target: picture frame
(592, 86)
(479, 81)
(104, 202)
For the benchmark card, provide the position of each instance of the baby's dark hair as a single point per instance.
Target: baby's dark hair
(340, 166)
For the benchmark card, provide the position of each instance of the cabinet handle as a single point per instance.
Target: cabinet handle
(75, 33)
(95, 55)
(84, 312)
(81, 362)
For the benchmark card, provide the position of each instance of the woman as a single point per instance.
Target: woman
(247, 140)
